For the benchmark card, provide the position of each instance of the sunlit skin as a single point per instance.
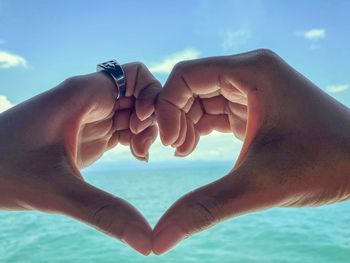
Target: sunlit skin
(296, 140)
(46, 140)
(295, 152)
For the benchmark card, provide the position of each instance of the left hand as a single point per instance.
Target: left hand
(46, 140)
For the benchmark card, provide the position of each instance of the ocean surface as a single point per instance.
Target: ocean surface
(278, 235)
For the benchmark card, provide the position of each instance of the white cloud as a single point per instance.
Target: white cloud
(5, 104)
(313, 34)
(165, 66)
(9, 60)
(233, 39)
(337, 88)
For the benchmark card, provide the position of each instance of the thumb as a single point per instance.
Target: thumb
(143, 86)
(106, 213)
(235, 194)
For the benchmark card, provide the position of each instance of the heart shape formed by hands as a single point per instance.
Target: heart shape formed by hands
(46, 141)
(282, 118)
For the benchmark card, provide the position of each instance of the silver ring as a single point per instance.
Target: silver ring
(115, 70)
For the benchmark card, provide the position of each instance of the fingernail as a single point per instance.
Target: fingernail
(138, 239)
(167, 239)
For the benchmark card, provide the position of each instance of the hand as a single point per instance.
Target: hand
(46, 140)
(296, 139)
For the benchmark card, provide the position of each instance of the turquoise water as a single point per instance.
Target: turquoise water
(278, 235)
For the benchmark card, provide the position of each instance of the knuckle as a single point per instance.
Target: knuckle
(103, 218)
(180, 67)
(264, 57)
(264, 53)
(263, 62)
(205, 212)
(181, 70)
(150, 92)
(74, 81)
(76, 85)
(154, 87)
(142, 71)
(136, 64)
(140, 65)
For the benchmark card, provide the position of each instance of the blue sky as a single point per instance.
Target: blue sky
(44, 42)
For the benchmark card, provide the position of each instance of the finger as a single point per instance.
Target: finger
(125, 137)
(230, 196)
(215, 105)
(113, 141)
(238, 126)
(141, 142)
(230, 76)
(137, 126)
(233, 94)
(189, 104)
(107, 213)
(210, 95)
(196, 140)
(96, 130)
(97, 146)
(169, 121)
(197, 77)
(196, 111)
(241, 111)
(121, 120)
(145, 101)
(208, 123)
(190, 78)
(183, 130)
(124, 103)
(188, 145)
(143, 86)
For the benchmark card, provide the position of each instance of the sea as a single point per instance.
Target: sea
(276, 235)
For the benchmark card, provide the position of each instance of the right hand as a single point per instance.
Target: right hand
(296, 139)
